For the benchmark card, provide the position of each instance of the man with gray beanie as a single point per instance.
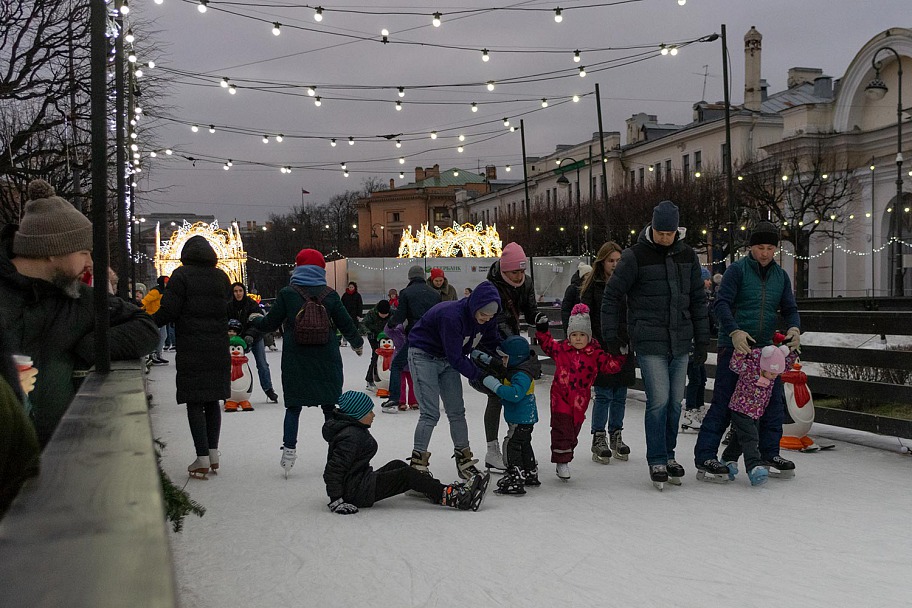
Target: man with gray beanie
(666, 316)
(754, 292)
(47, 309)
(416, 299)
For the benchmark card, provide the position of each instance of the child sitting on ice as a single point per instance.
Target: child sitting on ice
(577, 360)
(352, 483)
(517, 395)
(757, 372)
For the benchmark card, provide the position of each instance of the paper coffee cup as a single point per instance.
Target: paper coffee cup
(23, 362)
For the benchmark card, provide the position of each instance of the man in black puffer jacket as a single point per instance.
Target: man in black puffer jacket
(660, 275)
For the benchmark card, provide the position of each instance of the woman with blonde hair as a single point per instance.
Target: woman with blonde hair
(610, 389)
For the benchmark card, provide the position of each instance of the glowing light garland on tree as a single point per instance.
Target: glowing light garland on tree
(227, 244)
(473, 241)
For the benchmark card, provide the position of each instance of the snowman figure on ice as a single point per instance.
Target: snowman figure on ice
(385, 351)
(241, 378)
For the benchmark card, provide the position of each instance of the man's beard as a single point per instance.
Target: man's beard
(67, 284)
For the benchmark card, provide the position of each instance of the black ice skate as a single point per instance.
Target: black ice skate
(511, 484)
(468, 495)
(714, 471)
(530, 478)
(675, 472)
(601, 451)
(779, 467)
(659, 475)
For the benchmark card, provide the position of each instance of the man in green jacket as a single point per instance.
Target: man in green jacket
(49, 311)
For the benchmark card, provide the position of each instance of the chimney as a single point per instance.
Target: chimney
(490, 172)
(392, 183)
(799, 76)
(823, 87)
(752, 91)
(764, 89)
(419, 174)
(433, 172)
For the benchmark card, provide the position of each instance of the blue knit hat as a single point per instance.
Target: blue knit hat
(355, 404)
(704, 274)
(515, 347)
(665, 217)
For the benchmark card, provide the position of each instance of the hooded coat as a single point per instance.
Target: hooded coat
(196, 301)
(348, 474)
(666, 302)
(513, 302)
(449, 330)
(58, 333)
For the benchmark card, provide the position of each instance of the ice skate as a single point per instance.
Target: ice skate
(713, 471)
(213, 461)
(563, 471)
(271, 396)
(758, 475)
(601, 452)
(389, 407)
(419, 461)
(465, 463)
(403, 407)
(494, 460)
(675, 472)
(371, 387)
(511, 484)
(467, 495)
(658, 473)
(732, 469)
(779, 467)
(289, 455)
(199, 468)
(692, 420)
(620, 449)
(530, 478)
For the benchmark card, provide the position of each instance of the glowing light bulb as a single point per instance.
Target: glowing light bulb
(401, 175)
(131, 57)
(351, 141)
(345, 173)
(507, 168)
(398, 106)
(490, 85)
(461, 137)
(151, 65)
(474, 107)
(232, 89)
(153, 154)
(134, 147)
(664, 49)
(318, 101)
(225, 166)
(575, 98)
(311, 91)
(673, 50)
(401, 91)
(169, 152)
(203, 6)
(484, 55)
(229, 163)
(398, 143)
(460, 149)
(544, 102)
(138, 73)
(265, 139)
(212, 128)
(344, 166)
(506, 121)
(576, 56)
(682, 2)
(433, 134)
(194, 128)
(401, 160)
(318, 14)
(332, 142)
(455, 173)
(436, 20)
(276, 28)
(130, 37)
(558, 17)
(224, 83)
(124, 8)
(582, 71)
(280, 137)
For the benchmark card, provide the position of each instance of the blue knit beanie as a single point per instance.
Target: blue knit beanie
(355, 404)
(704, 274)
(665, 217)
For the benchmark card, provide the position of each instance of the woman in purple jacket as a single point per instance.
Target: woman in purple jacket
(439, 348)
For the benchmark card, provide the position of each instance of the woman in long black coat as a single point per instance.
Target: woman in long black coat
(196, 301)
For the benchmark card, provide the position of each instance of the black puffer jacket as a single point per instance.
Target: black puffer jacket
(571, 299)
(415, 300)
(241, 311)
(348, 474)
(196, 301)
(592, 298)
(58, 333)
(514, 301)
(665, 296)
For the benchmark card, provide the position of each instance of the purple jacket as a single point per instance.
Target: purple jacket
(749, 398)
(450, 330)
(397, 335)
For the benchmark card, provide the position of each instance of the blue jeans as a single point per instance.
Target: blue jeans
(162, 336)
(696, 385)
(293, 418)
(664, 377)
(400, 360)
(436, 379)
(169, 341)
(259, 354)
(718, 416)
(609, 407)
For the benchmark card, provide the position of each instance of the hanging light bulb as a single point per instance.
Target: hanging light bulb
(194, 128)
(224, 83)
(225, 166)
(484, 55)
(663, 49)
(384, 35)
(169, 152)
(507, 168)
(401, 160)
(276, 28)
(137, 110)
(134, 147)
(280, 137)
(318, 14)
(345, 173)
(461, 137)
(401, 175)
(282, 169)
(544, 102)
(575, 98)
(212, 128)
(159, 1)
(130, 37)
(203, 6)
(265, 139)
(490, 85)
(138, 73)
(433, 134)
(351, 141)
(318, 101)
(460, 149)
(131, 57)
(506, 121)
(398, 106)
(436, 20)
(153, 154)
(582, 71)
(332, 142)
(682, 2)
(557, 15)
(455, 172)
(151, 65)
(344, 165)
(673, 50)
(124, 8)
(576, 56)
(229, 163)
(311, 91)
(474, 107)
(398, 144)
(401, 91)
(512, 128)
(232, 89)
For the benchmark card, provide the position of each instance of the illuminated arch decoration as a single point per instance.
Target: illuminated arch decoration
(227, 245)
(473, 241)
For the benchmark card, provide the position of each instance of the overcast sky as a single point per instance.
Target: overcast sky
(811, 33)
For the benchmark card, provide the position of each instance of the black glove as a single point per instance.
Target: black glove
(699, 355)
(489, 364)
(613, 347)
(340, 507)
(249, 340)
(480, 358)
(541, 322)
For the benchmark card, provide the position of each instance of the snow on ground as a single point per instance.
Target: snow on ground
(835, 535)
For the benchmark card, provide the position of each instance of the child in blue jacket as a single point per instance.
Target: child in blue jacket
(517, 395)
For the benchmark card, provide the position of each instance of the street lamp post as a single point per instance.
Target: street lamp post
(832, 254)
(876, 90)
(565, 183)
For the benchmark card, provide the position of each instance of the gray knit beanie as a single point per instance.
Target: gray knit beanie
(50, 225)
(415, 272)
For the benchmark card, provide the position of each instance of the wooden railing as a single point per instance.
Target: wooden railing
(89, 531)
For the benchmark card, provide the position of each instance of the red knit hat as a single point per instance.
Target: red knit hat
(310, 257)
(437, 273)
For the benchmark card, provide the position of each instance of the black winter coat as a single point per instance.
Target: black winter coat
(241, 310)
(592, 298)
(571, 299)
(415, 300)
(513, 301)
(665, 298)
(348, 474)
(354, 305)
(196, 301)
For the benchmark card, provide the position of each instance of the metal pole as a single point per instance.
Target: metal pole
(598, 107)
(873, 221)
(591, 197)
(897, 207)
(579, 214)
(522, 133)
(727, 162)
(833, 259)
(99, 63)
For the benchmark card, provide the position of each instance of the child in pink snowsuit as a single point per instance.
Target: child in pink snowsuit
(577, 360)
(757, 373)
